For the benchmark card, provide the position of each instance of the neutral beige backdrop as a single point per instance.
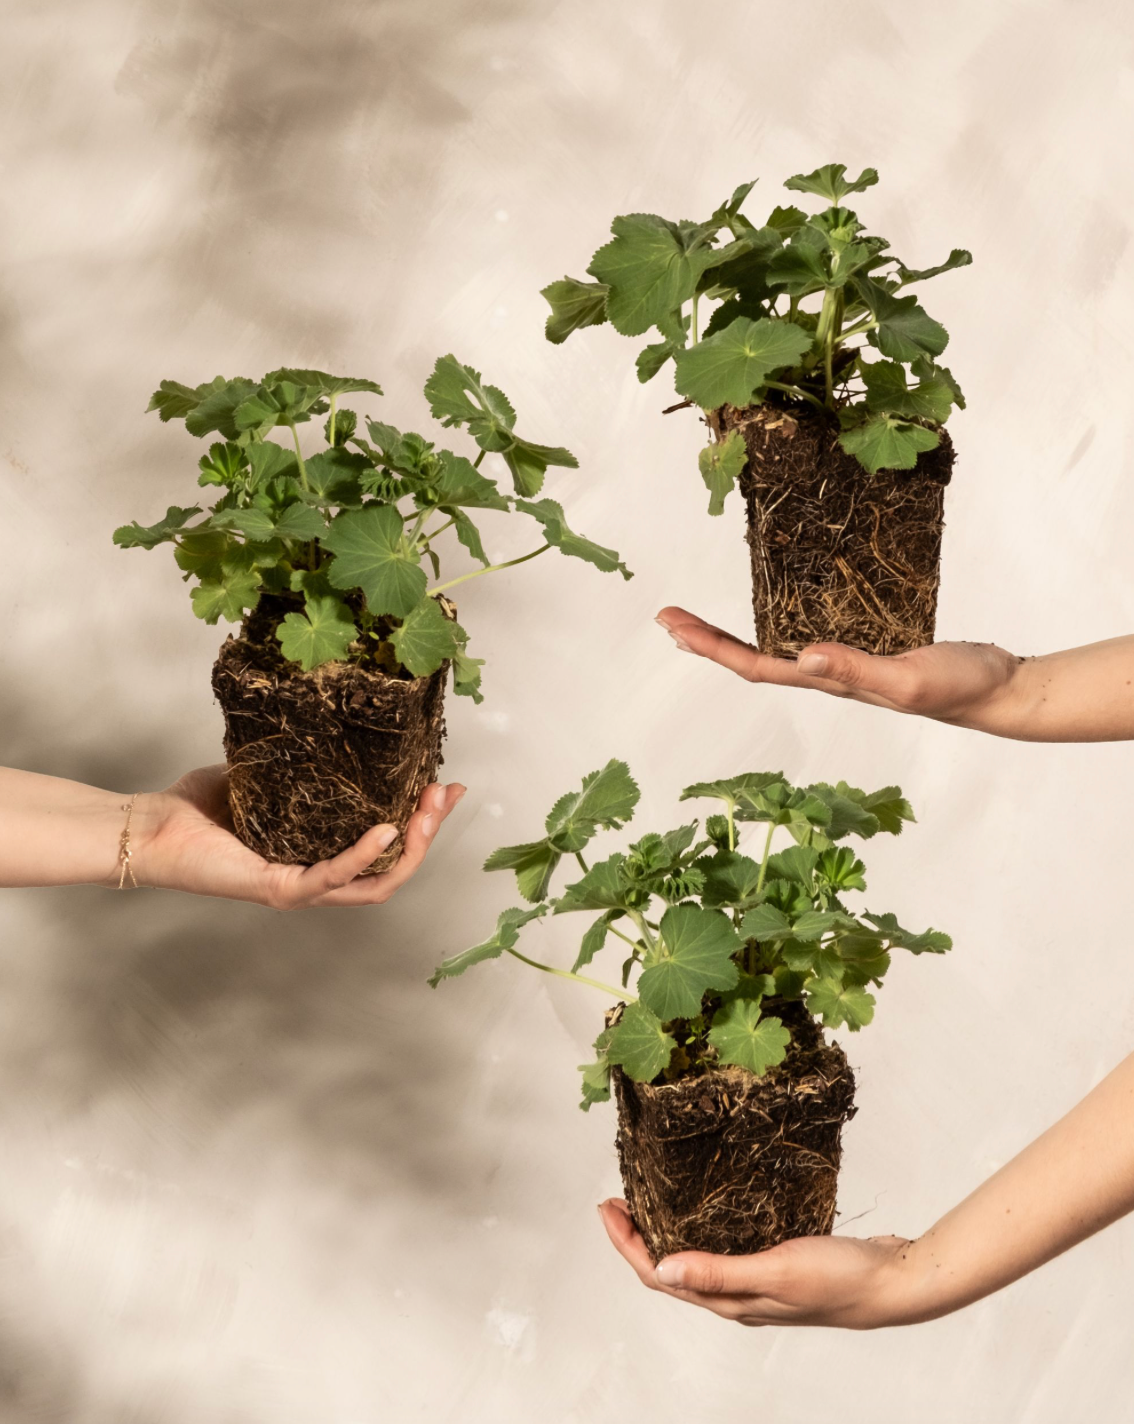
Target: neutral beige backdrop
(254, 1170)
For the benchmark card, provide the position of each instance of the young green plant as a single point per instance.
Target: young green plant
(713, 941)
(786, 312)
(348, 534)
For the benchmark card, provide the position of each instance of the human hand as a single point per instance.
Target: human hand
(961, 683)
(840, 1281)
(182, 840)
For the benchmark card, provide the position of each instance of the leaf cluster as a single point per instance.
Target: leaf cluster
(345, 538)
(713, 940)
(811, 310)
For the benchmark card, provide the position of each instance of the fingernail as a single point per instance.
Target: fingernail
(662, 623)
(387, 838)
(671, 1273)
(679, 640)
(461, 791)
(813, 664)
(427, 825)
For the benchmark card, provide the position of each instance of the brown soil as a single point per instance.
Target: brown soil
(731, 1163)
(838, 555)
(317, 758)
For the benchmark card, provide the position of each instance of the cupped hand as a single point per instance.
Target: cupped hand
(950, 682)
(814, 1280)
(183, 840)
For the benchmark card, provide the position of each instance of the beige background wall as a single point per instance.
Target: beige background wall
(254, 1171)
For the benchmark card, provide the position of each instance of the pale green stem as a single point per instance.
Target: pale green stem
(764, 862)
(299, 456)
(640, 920)
(331, 425)
(491, 569)
(579, 978)
(431, 534)
(731, 825)
(796, 391)
(693, 320)
(858, 330)
(582, 862)
(625, 938)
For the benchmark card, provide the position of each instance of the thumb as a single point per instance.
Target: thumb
(707, 1274)
(855, 671)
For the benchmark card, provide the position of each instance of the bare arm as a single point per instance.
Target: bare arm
(57, 832)
(1081, 695)
(1071, 1182)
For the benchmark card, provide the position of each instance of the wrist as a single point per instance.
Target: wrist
(999, 711)
(146, 821)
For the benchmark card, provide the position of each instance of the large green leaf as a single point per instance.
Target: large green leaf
(886, 390)
(560, 536)
(766, 924)
(648, 271)
(721, 464)
(731, 879)
(425, 638)
(508, 927)
(607, 799)
(734, 789)
(728, 367)
(371, 554)
(573, 304)
(742, 1037)
(905, 331)
(885, 442)
(229, 595)
(321, 634)
(695, 955)
(137, 536)
(320, 382)
(457, 395)
(830, 182)
(173, 401)
(640, 1044)
(804, 265)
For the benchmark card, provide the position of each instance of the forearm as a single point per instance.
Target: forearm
(56, 832)
(1071, 1182)
(1079, 695)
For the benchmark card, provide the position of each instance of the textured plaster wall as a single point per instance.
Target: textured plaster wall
(254, 1171)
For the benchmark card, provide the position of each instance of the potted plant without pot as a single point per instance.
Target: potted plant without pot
(333, 692)
(731, 1101)
(818, 375)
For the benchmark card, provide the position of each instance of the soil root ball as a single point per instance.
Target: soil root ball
(838, 555)
(731, 1163)
(317, 758)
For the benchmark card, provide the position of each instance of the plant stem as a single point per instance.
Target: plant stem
(479, 458)
(796, 391)
(858, 330)
(640, 920)
(331, 424)
(491, 569)
(625, 938)
(582, 862)
(579, 978)
(431, 534)
(693, 319)
(764, 862)
(732, 825)
(299, 456)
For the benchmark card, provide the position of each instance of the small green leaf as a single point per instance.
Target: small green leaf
(653, 357)
(302, 522)
(728, 367)
(466, 675)
(695, 955)
(596, 1076)
(884, 442)
(458, 396)
(333, 475)
(640, 1045)
(320, 383)
(229, 597)
(957, 258)
(371, 554)
(905, 330)
(216, 409)
(890, 807)
(604, 887)
(830, 182)
(796, 863)
(721, 464)
(269, 461)
(557, 533)
(425, 638)
(533, 863)
(594, 939)
(742, 1037)
(255, 524)
(226, 464)
(508, 928)
(321, 634)
(528, 463)
(928, 942)
(886, 390)
(573, 304)
(730, 880)
(841, 869)
(137, 536)
(735, 789)
(469, 535)
(173, 401)
(838, 1004)
(766, 924)
(459, 484)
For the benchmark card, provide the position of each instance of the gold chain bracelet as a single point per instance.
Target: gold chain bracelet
(125, 852)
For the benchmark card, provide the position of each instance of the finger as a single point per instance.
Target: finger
(706, 1274)
(317, 881)
(694, 635)
(434, 805)
(627, 1240)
